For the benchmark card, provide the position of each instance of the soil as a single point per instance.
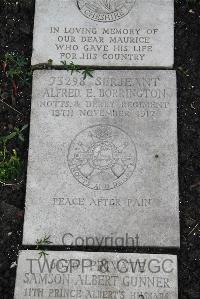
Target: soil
(16, 22)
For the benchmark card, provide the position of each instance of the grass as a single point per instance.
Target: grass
(15, 74)
(11, 165)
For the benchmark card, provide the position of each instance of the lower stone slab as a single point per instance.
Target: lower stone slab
(98, 275)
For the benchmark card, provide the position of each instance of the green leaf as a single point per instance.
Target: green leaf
(11, 166)
(16, 130)
(64, 63)
(24, 127)
(87, 73)
(21, 137)
(11, 136)
(50, 62)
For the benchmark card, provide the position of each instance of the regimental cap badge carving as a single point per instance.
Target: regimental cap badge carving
(105, 10)
(102, 157)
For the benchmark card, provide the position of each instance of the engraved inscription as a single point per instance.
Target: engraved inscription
(102, 157)
(104, 43)
(95, 276)
(142, 98)
(105, 10)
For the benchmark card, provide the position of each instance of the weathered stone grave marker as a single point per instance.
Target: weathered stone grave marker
(102, 165)
(103, 159)
(134, 33)
(96, 275)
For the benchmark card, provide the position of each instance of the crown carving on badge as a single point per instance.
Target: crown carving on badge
(103, 132)
(106, 6)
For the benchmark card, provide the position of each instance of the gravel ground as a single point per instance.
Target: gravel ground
(16, 22)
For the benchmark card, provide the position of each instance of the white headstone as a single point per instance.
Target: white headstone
(126, 33)
(96, 275)
(102, 165)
